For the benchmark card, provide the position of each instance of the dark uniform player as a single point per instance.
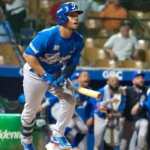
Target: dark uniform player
(135, 122)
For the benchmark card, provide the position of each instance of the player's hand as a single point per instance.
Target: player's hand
(135, 109)
(48, 78)
(89, 122)
(114, 100)
(40, 109)
(102, 109)
(59, 81)
(110, 116)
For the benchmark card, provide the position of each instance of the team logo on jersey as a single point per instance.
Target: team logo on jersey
(56, 47)
(51, 59)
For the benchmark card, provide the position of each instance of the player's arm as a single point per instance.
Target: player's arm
(34, 63)
(145, 104)
(52, 100)
(35, 48)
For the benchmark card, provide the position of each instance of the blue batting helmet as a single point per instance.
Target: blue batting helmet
(64, 9)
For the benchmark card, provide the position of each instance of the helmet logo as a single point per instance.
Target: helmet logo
(59, 10)
(66, 8)
(74, 6)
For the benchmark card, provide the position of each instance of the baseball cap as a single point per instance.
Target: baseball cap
(137, 73)
(125, 22)
(74, 76)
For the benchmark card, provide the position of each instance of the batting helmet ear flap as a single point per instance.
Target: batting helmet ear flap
(66, 9)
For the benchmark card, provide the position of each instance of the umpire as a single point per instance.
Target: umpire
(137, 122)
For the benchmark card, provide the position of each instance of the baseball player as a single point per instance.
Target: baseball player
(109, 112)
(83, 108)
(47, 53)
(135, 120)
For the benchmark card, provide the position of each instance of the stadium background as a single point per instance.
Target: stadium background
(93, 58)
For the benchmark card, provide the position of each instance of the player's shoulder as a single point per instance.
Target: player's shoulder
(49, 31)
(77, 37)
(101, 90)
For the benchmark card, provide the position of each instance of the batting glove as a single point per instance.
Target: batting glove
(59, 81)
(48, 78)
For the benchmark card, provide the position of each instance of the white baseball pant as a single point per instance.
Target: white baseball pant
(100, 126)
(141, 127)
(34, 90)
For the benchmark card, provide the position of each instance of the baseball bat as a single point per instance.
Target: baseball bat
(84, 91)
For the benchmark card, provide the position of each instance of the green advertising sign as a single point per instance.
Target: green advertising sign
(10, 127)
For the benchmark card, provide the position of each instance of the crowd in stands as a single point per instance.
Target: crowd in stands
(111, 17)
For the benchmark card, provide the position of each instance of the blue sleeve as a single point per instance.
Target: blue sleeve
(53, 100)
(122, 105)
(76, 56)
(37, 45)
(147, 102)
(101, 99)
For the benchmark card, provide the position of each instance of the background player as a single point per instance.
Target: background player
(45, 56)
(135, 120)
(109, 112)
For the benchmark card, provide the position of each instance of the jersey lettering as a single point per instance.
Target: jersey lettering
(51, 59)
(33, 48)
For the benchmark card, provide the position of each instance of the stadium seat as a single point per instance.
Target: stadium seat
(148, 65)
(8, 53)
(100, 42)
(143, 44)
(106, 63)
(93, 13)
(137, 14)
(92, 23)
(89, 43)
(131, 64)
(131, 32)
(91, 54)
(147, 55)
(1, 60)
(147, 23)
(104, 33)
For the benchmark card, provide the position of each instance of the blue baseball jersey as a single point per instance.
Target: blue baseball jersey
(84, 107)
(96, 101)
(52, 50)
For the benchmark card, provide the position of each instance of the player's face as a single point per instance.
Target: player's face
(84, 79)
(113, 83)
(125, 30)
(73, 21)
(138, 81)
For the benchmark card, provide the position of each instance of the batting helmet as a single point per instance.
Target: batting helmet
(64, 9)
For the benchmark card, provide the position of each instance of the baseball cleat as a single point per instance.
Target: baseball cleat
(50, 146)
(28, 146)
(63, 143)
